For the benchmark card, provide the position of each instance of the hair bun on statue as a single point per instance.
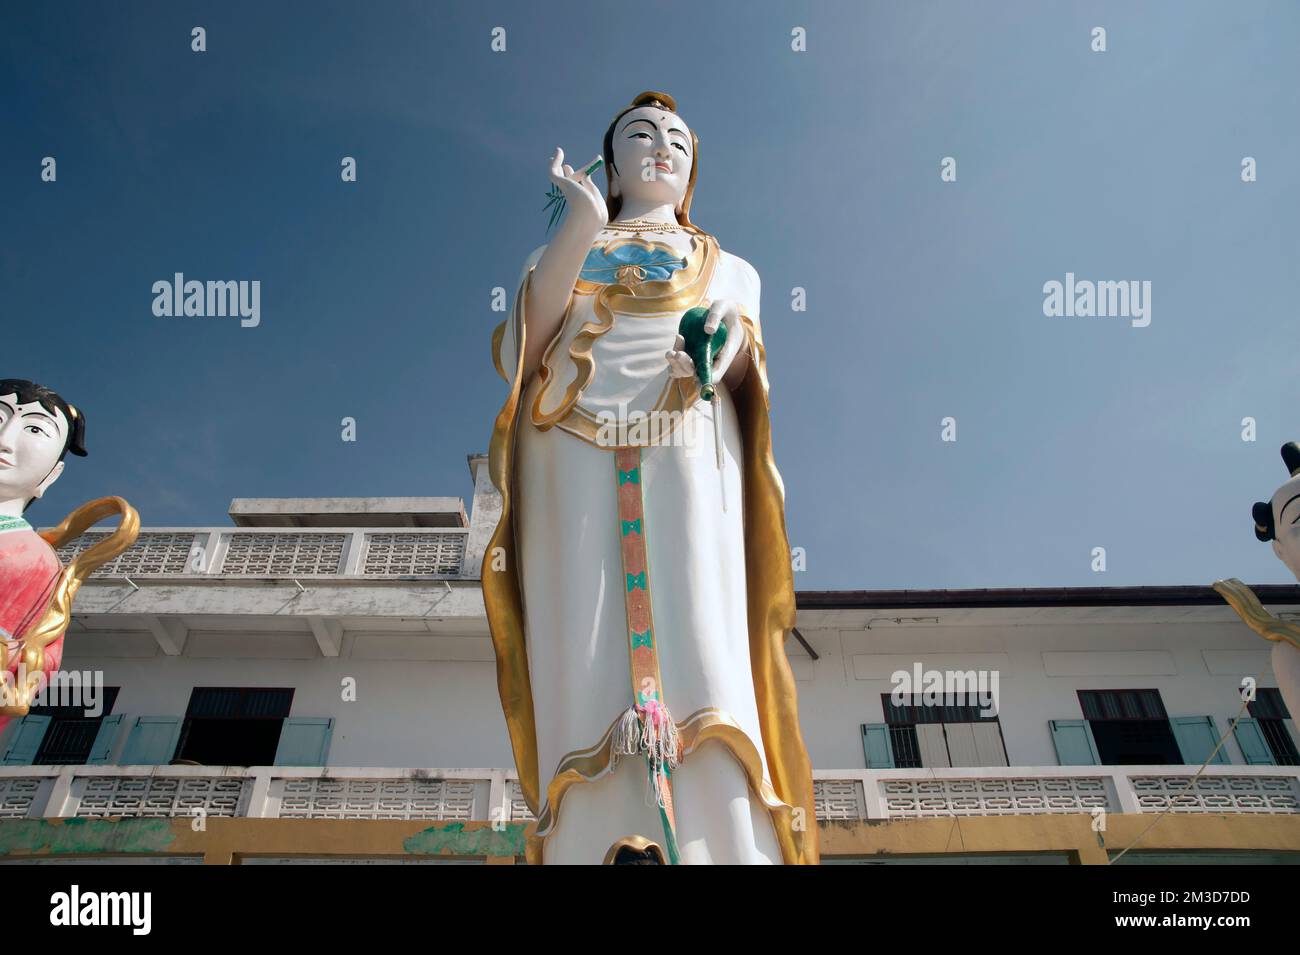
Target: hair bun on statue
(1291, 457)
(653, 98)
(1262, 512)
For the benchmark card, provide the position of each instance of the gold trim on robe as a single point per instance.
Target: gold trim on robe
(585, 766)
(685, 289)
(769, 584)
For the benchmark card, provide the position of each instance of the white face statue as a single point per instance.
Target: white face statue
(31, 442)
(1286, 524)
(653, 155)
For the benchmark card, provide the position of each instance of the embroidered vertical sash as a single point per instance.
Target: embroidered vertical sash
(646, 727)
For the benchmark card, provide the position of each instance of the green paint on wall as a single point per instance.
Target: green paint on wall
(58, 836)
(452, 838)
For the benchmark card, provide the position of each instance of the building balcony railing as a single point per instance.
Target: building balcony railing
(493, 794)
(259, 552)
(275, 792)
(1017, 790)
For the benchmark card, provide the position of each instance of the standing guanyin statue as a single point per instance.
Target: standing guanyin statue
(638, 586)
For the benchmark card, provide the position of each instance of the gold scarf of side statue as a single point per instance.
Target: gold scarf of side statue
(53, 623)
(1252, 613)
(770, 600)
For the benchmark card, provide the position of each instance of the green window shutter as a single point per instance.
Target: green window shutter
(1253, 745)
(876, 746)
(25, 741)
(152, 741)
(1196, 736)
(1074, 743)
(304, 741)
(104, 740)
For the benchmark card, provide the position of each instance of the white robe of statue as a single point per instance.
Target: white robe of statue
(573, 594)
(594, 361)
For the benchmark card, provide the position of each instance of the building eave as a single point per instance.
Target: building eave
(1173, 596)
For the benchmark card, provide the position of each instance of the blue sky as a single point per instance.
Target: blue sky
(821, 168)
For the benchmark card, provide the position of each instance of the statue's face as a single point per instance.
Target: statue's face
(1286, 524)
(31, 441)
(653, 153)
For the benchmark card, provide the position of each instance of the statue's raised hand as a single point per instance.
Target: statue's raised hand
(587, 213)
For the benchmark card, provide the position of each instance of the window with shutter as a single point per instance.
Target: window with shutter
(1130, 727)
(151, 741)
(304, 741)
(1253, 745)
(72, 734)
(1271, 716)
(877, 747)
(948, 733)
(24, 739)
(1197, 738)
(1074, 743)
(234, 726)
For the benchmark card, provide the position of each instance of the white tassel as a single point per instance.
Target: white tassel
(655, 736)
(627, 736)
(660, 742)
(657, 786)
(672, 751)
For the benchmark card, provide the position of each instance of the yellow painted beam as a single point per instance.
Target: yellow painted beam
(228, 841)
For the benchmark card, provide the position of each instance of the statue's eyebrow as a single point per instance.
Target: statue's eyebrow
(639, 119)
(1282, 510)
(53, 421)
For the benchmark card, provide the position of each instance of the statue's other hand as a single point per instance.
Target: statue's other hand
(587, 210)
(679, 363)
(724, 311)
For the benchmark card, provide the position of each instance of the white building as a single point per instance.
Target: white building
(322, 670)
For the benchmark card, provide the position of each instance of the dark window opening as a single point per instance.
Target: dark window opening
(233, 726)
(1269, 710)
(71, 734)
(906, 747)
(1130, 727)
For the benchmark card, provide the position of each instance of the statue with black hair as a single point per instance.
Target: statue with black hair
(1277, 520)
(638, 586)
(38, 429)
